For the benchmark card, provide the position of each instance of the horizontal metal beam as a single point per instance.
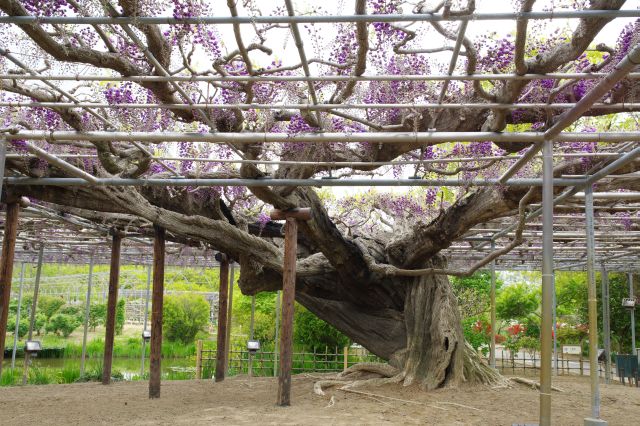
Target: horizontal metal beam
(381, 137)
(621, 107)
(20, 181)
(312, 78)
(317, 19)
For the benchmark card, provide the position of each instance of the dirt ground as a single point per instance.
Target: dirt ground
(238, 401)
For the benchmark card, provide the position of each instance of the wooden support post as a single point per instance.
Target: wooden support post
(288, 297)
(199, 360)
(112, 302)
(346, 357)
(6, 270)
(223, 298)
(155, 346)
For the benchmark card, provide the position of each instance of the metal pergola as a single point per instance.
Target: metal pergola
(579, 226)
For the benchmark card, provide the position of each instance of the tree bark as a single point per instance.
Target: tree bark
(112, 306)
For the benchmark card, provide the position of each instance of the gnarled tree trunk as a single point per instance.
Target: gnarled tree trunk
(413, 323)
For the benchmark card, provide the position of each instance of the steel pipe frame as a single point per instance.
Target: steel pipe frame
(622, 68)
(303, 57)
(75, 102)
(18, 181)
(316, 78)
(86, 318)
(161, 70)
(344, 163)
(606, 322)
(370, 137)
(319, 19)
(547, 285)
(621, 107)
(16, 332)
(632, 314)
(610, 168)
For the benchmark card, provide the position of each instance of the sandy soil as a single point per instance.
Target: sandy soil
(236, 401)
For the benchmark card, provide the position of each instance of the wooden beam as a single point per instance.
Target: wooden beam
(300, 214)
(288, 299)
(223, 297)
(112, 303)
(155, 355)
(6, 270)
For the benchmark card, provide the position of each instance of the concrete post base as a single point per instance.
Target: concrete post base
(594, 422)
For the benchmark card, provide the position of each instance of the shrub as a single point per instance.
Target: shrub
(41, 321)
(530, 344)
(62, 324)
(23, 327)
(314, 333)
(184, 316)
(97, 315)
(120, 316)
(49, 305)
(517, 301)
(477, 333)
(72, 310)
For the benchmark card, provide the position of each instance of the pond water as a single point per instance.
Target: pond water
(129, 367)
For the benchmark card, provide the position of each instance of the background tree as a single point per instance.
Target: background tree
(184, 316)
(517, 302)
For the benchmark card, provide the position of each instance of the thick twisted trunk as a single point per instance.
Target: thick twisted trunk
(435, 344)
(416, 327)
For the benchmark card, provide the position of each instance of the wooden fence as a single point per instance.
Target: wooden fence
(565, 365)
(265, 363)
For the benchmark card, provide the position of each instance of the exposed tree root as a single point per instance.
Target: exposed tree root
(533, 384)
(364, 374)
(476, 371)
(358, 370)
(377, 374)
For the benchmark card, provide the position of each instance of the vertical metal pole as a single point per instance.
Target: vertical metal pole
(633, 315)
(146, 317)
(32, 319)
(592, 304)
(251, 325)
(232, 280)
(547, 284)
(555, 329)
(3, 156)
(87, 311)
(492, 349)
(606, 325)
(16, 332)
(276, 346)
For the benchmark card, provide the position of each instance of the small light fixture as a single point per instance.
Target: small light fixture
(629, 303)
(253, 346)
(146, 335)
(32, 347)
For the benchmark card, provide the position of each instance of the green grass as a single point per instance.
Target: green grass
(68, 375)
(40, 376)
(10, 377)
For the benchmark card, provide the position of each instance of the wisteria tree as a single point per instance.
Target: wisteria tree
(369, 264)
